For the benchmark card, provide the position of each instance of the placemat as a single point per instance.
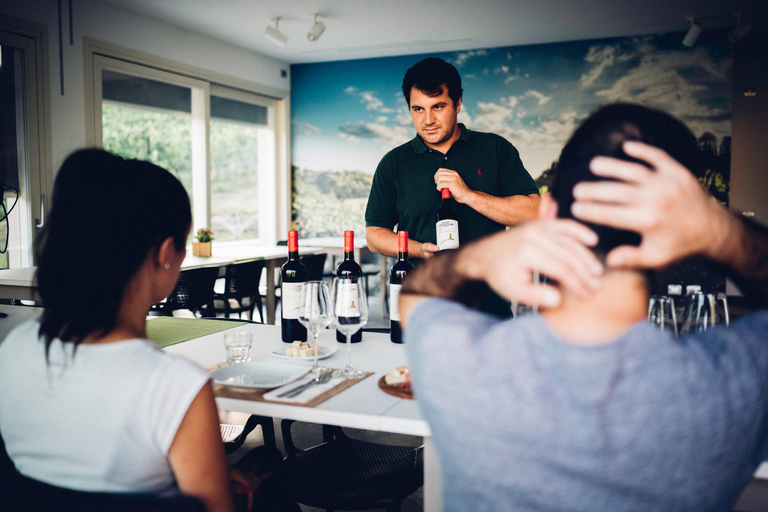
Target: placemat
(257, 395)
(168, 330)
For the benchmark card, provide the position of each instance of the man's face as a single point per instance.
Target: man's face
(434, 118)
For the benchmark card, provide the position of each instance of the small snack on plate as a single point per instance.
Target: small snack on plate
(301, 349)
(399, 378)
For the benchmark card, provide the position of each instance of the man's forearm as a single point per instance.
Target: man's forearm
(384, 241)
(743, 250)
(449, 274)
(509, 211)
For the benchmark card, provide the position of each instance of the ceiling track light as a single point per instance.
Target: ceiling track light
(693, 33)
(740, 30)
(316, 31)
(274, 35)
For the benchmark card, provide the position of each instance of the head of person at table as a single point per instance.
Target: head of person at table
(432, 89)
(112, 246)
(623, 291)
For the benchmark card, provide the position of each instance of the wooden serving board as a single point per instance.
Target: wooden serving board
(393, 390)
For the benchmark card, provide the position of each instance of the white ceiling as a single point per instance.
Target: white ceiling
(358, 29)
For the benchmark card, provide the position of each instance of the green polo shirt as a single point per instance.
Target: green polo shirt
(403, 192)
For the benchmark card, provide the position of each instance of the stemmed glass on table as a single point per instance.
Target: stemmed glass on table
(315, 314)
(661, 313)
(351, 313)
(704, 311)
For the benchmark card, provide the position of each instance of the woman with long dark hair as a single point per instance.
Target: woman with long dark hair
(87, 401)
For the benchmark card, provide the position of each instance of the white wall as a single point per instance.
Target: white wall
(117, 26)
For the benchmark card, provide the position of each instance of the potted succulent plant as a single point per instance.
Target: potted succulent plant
(202, 247)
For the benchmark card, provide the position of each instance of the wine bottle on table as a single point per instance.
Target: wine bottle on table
(349, 269)
(294, 274)
(399, 270)
(447, 223)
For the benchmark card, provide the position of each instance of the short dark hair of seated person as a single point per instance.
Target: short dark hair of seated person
(602, 134)
(107, 214)
(429, 75)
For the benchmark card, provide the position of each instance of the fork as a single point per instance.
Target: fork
(320, 379)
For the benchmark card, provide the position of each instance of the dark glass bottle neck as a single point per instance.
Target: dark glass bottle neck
(293, 255)
(349, 255)
(402, 256)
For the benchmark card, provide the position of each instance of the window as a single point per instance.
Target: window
(25, 139)
(219, 141)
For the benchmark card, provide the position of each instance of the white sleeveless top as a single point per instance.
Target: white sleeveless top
(101, 419)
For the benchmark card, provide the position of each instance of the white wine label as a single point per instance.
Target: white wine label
(292, 300)
(394, 298)
(346, 303)
(448, 234)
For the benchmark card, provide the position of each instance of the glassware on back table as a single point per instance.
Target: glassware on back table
(350, 311)
(315, 313)
(661, 313)
(704, 311)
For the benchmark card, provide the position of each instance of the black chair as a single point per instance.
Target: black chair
(193, 291)
(348, 474)
(19, 493)
(315, 264)
(241, 290)
(267, 430)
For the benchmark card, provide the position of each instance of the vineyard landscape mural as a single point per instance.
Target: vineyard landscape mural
(346, 115)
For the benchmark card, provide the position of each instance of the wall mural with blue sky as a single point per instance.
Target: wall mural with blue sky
(346, 115)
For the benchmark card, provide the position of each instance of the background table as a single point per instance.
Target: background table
(19, 283)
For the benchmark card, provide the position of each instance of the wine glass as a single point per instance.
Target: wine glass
(315, 313)
(350, 310)
(661, 313)
(705, 311)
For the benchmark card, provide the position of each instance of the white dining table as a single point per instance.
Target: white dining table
(363, 405)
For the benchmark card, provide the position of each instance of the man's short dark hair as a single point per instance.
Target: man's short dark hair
(603, 133)
(429, 76)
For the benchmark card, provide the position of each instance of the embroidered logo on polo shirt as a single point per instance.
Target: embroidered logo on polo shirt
(479, 173)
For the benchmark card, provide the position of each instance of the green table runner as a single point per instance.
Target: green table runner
(166, 330)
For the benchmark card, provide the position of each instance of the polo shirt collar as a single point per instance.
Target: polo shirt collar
(419, 147)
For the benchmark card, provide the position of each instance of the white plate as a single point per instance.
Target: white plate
(259, 375)
(324, 352)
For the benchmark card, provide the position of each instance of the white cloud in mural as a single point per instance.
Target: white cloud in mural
(305, 128)
(602, 57)
(390, 135)
(463, 57)
(657, 81)
(369, 99)
(540, 98)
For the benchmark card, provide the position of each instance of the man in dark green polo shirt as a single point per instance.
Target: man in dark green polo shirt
(483, 171)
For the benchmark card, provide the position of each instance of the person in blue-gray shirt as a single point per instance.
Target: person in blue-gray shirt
(587, 406)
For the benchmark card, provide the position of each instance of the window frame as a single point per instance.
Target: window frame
(274, 195)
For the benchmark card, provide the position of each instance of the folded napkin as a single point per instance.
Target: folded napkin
(305, 396)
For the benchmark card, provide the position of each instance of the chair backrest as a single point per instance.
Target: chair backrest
(315, 264)
(242, 279)
(20, 493)
(194, 289)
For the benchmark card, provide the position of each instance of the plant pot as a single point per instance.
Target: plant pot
(202, 249)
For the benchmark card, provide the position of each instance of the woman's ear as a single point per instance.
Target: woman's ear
(166, 254)
(547, 207)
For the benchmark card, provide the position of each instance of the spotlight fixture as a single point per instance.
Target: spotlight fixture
(740, 30)
(693, 33)
(316, 31)
(274, 35)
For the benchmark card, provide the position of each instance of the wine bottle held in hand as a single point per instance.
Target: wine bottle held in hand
(447, 223)
(349, 269)
(293, 274)
(399, 270)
